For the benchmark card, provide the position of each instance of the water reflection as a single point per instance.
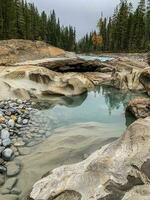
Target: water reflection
(115, 98)
(55, 100)
(104, 104)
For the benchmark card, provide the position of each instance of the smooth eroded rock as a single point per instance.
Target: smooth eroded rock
(145, 79)
(109, 173)
(4, 134)
(139, 107)
(7, 154)
(13, 169)
(9, 184)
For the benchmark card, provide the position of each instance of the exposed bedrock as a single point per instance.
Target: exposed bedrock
(139, 107)
(127, 80)
(33, 82)
(145, 79)
(79, 65)
(64, 76)
(110, 173)
(30, 81)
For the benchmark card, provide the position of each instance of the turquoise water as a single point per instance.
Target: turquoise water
(91, 58)
(104, 105)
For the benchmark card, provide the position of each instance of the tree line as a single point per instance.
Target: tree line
(128, 30)
(89, 43)
(22, 20)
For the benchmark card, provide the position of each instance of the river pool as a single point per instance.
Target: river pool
(104, 105)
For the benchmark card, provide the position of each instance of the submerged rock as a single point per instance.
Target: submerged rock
(8, 197)
(2, 179)
(10, 183)
(13, 169)
(109, 173)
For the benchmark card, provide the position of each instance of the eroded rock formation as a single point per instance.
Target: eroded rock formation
(145, 79)
(127, 80)
(34, 81)
(140, 107)
(79, 65)
(109, 174)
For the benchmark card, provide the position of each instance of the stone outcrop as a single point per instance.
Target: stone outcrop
(70, 84)
(138, 193)
(127, 80)
(79, 65)
(145, 79)
(12, 51)
(140, 107)
(98, 78)
(21, 81)
(33, 81)
(110, 173)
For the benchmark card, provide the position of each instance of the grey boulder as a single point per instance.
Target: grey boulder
(4, 134)
(7, 154)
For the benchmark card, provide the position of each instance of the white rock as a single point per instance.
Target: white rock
(11, 123)
(5, 134)
(25, 121)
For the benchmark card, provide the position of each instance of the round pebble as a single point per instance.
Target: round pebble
(11, 123)
(4, 134)
(6, 142)
(7, 154)
(25, 121)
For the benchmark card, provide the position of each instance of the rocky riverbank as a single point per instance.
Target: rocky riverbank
(21, 128)
(113, 172)
(14, 116)
(14, 123)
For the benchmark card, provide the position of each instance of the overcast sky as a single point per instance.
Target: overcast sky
(82, 14)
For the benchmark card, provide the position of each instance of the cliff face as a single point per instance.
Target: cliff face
(12, 51)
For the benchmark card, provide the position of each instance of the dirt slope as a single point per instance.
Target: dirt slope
(12, 51)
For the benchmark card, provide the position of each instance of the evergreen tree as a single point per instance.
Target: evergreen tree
(19, 19)
(147, 22)
(128, 30)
